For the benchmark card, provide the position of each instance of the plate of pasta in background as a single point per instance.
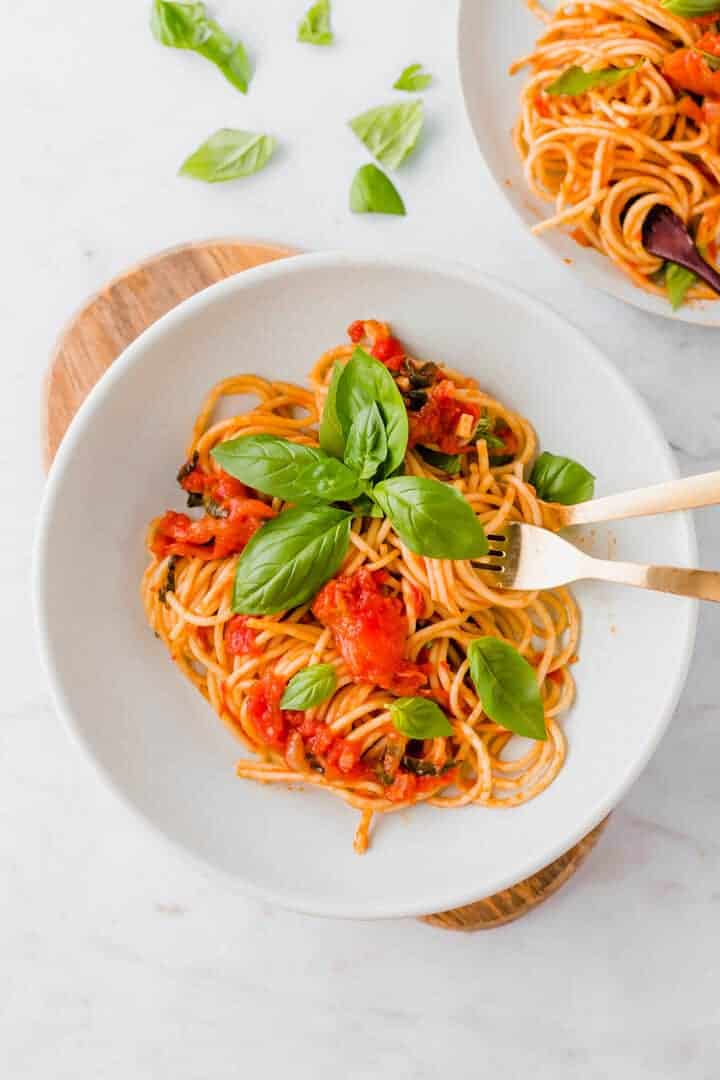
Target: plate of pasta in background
(601, 113)
(263, 604)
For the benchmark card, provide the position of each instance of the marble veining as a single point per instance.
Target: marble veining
(118, 959)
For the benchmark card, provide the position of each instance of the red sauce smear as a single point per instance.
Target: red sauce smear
(435, 424)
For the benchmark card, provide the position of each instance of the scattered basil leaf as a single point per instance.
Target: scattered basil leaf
(288, 560)
(314, 28)
(507, 687)
(575, 81)
(420, 767)
(419, 718)
(367, 445)
(678, 282)
(186, 26)
(691, 9)
(562, 480)
(310, 687)
(431, 518)
(229, 154)
(365, 381)
(332, 440)
(390, 132)
(449, 463)
(287, 470)
(412, 79)
(372, 192)
(484, 433)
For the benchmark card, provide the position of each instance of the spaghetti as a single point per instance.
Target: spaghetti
(607, 155)
(411, 618)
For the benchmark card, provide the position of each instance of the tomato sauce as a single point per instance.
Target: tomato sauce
(689, 70)
(241, 639)
(370, 628)
(436, 423)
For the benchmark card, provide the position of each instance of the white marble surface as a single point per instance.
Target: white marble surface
(120, 961)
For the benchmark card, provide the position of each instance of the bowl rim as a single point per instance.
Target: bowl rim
(297, 264)
(705, 313)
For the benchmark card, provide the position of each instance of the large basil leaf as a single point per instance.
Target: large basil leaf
(314, 28)
(186, 26)
(332, 440)
(431, 518)
(507, 687)
(575, 81)
(229, 154)
(390, 132)
(419, 718)
(562, 480)
(287, 470)
(367, 446)
(289, 559)
(310, 687)
(365, 381)
(372, 192)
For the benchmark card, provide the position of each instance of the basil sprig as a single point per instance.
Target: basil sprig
(431, 518)
(372, 192)
(186, 26)
(562, 480)
(390, 132)
(229, 154)
(310, 687)
(412, 79)
(363, 439)
(290, 558)
(419, 718)
(575, 81)
(691, 9)
(314, 28)
(507, 687)
(365, 381)
(288, 471)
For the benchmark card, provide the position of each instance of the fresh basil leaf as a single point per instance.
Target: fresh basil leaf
(507, 687)
(314, 28)
(419, 718)
(390, 132)
(431, 518)
(229, 154)
(372, 192)
(449, 463)
(412, 79)
(367, 445)
(562, 480)
(332, 440)
(186, 26)
(310, 687)
(691, 9)
(287, 470)
(289, 559)
(678, 282)
(575, 81)
(365, 381)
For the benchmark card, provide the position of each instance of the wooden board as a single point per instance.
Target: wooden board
(95, 337)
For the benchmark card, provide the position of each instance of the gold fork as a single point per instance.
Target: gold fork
(528, 558)
(691, 493)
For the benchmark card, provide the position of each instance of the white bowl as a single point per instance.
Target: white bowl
(491, 35)
(156, 740)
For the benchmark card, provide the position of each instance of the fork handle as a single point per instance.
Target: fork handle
(688, 494)
(700, 584)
